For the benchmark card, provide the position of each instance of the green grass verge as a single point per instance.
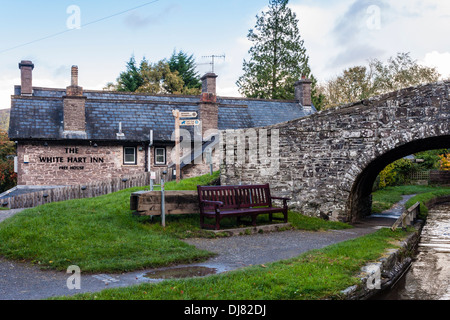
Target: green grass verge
(318, 274)
(384, 199)
(102, 235)
(97, 234)
(191, 183)
(426, 197)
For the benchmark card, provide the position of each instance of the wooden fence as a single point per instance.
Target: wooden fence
(432, 177)
(89, 190)
(408, 217)
(419, 175)
(440, 177)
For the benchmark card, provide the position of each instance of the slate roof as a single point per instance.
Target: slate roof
(40, 116)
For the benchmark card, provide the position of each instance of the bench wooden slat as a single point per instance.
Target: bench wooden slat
(225, 201)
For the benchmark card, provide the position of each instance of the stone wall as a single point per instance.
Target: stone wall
(75, 114)
(328, 161)
(75, 164)
(72, 164)
(202, 168)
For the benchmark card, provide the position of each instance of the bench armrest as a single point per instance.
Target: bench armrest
(281, 198)
(215, 203)
(285, 200)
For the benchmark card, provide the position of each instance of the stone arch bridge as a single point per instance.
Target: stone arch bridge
(327, 162)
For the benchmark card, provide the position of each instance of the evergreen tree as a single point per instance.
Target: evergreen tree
(186, 67)
(131, 79)
(277, 58)
(159, 77)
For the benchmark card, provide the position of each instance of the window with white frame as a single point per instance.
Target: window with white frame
(160, 156)
(129, 156)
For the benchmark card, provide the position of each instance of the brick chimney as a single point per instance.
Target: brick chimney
(303, 92)
(26, 70)
(74, 108)
(209, 109)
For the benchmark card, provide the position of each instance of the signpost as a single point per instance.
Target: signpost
(163, 200)
(188, 114)
(176, 114)
(209, 160)
(182, 122)
(189, 122)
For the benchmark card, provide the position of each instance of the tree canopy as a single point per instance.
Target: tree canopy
(277, 57)
(8, 179)
(361, 82)
(176, 76)
(186, 67)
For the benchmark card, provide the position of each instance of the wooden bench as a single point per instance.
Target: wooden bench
(218, 202)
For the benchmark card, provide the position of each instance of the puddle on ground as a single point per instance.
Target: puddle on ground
(181, 272)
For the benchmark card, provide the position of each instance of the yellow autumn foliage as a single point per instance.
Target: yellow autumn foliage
(445, 162)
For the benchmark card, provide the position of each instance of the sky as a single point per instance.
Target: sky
(101, 36)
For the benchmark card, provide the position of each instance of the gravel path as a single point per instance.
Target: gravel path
(240, 251)
(22, 281)
(5, 214)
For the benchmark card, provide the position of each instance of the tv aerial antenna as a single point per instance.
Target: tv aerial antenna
(212, 63)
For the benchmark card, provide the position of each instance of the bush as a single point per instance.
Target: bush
(8, 178)
(395, 173)
(445, 162)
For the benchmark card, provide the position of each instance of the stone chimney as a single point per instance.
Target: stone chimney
(208, 108)
(26, 69)
(74, 108)
(303, 92)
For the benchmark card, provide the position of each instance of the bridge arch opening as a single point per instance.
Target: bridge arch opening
(360, 199)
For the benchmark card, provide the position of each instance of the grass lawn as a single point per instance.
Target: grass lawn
(423, 198)
(318, 274)
(384, 199)
(97, 234)
(102, 235)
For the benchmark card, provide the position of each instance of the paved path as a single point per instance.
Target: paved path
(5, 214)
(19, 281)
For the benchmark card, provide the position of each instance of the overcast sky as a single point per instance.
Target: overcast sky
(337, 35)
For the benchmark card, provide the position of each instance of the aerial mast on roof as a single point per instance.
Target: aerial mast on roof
(213, 60)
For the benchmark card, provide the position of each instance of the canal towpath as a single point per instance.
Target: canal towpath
(23, 281)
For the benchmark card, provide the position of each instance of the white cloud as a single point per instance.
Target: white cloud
(7, 84)
(440, 61)
(348, 33)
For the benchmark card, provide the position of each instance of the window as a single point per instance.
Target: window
(160, 156)
(129, 155)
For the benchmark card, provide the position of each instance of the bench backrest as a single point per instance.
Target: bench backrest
(236, 196)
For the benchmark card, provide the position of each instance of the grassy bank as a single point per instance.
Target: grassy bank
(424, 198)
(102, 235)
(318, 274)
(384, 199)
(97, 234)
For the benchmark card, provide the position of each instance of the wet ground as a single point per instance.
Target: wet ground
(429, 275)
(397, 209)
(23, 281)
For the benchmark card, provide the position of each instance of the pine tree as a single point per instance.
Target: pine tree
(277, 58)
(151, 78)
(186, 67)
(131, 79)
